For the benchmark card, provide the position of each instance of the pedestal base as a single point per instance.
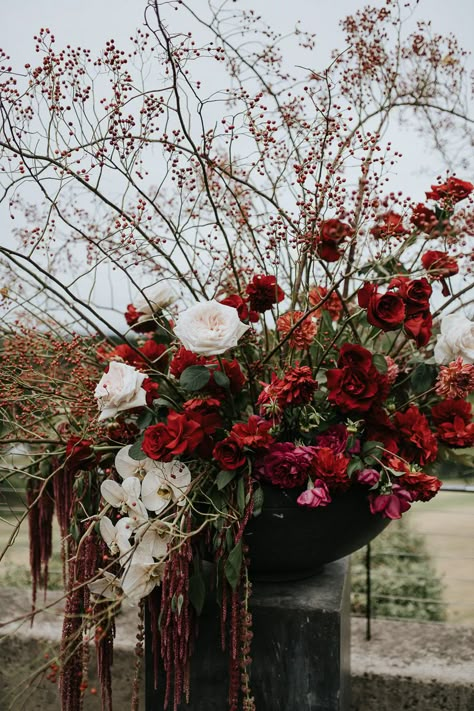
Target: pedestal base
(300, 649)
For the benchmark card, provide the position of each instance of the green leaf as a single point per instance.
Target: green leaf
(223, 478)
(423, 377)
(179, 603)
(197, 592)
(371, 447)
(241, 495)
(258, 498)
(145, 419)
(233, 565)
(354, 465)
(136, 452)
(326, 327)
(221, 379)
(161, 402)
(380, 363)
(195, 377)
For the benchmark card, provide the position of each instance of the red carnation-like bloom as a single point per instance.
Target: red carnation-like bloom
(253, 434)
(356, 385)
(385, 311)
(455, 380)
(440, 265)
(389, 225)
(152, 350)
(286, 465)
(331, 468)
(295, 388)
(452, 191)
(183, 359)
(334, 438)
(228, 454)
(303, 335)
(415, 440)
(453, 420)
(333, 304)
(263, 292)
(237, 302)
(331, 235)
(424, 218)
(180, 435)
(421, 486)
(151, 388)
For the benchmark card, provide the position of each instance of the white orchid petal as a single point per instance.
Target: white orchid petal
(132, 486)
(112, 493)
(107, 530)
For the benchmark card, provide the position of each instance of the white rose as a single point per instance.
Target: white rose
(455, 340)
(209, 328)
(119, 389)
(155, 297)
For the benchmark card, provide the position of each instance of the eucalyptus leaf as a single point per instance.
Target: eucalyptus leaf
(258, 498)
(423, 377)
(145, 419)
(380, 363)
(221, 379)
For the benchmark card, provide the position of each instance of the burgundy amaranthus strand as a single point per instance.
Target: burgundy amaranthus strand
(40, 522)
(177, 630)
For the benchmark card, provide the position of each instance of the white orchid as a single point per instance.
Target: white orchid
(141, 575)
(126, 466)
(125, 497)
(154, 537)
(107, 586)
(168, 481)
(117, 538)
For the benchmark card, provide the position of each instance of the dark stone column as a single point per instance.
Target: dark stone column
(300, 649)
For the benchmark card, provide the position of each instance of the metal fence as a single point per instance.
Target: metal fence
(421, 567)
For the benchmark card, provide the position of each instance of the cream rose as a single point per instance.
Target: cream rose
(155, 297)
(455, 340)
(119, 389)
(209, 328)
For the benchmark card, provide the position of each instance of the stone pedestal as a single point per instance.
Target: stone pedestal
(300, 649)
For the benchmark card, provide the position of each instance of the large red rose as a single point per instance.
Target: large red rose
(419, 327)
(356, 385)
(180, 435)
(414, 292)
(385, 311)
(415, 440)
(229, 454)
(263, 292)
(286, 465)
(453, 420)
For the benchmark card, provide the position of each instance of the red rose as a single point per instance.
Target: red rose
(331, 234)
(253, 434)
(286, 465)
(389, 225)
(132, 317)
(237, 302)
(335, 438)
(391, 505)
(331, 468)
(452, 191)
(414, 292)
(180, 435)
(228, 454)
(356, 384)
(419, 327)
(415, 439)
(385, 311)
(453, 420)
(440, 265)
(80, 455)
(263, 292)
(151, 389)
(424, 218)
(183, 359)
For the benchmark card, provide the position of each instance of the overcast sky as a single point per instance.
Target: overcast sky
(89, 23)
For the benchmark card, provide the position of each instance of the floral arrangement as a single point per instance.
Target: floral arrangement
(317, 344)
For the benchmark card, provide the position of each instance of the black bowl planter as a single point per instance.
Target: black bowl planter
(291, 542)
